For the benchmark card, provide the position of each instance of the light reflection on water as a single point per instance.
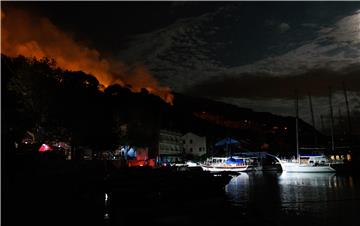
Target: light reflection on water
(310, 198)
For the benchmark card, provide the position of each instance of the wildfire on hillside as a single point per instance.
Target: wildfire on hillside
(32, 36)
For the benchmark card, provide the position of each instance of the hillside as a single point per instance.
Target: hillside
(66, 105)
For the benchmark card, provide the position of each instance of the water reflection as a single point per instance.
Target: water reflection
(106, 213)
(237, 189)
(321, 199)
(306, 192)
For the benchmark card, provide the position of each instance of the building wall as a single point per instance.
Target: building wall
(170, 146)
(194, 144)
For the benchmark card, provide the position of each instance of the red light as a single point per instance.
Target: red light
(44, 148)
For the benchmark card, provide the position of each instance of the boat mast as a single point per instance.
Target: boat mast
(348, 111)
(228, 147)
(322, 123)
(340, 122)
(297, 124)
(331, 121)
(313, 119)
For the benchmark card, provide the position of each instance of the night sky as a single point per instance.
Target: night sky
(251, 54)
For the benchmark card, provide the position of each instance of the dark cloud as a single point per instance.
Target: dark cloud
(310, 25)
(267, 86)
(283, 27)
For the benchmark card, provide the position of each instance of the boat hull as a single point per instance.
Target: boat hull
(298, 168)
(224, 169)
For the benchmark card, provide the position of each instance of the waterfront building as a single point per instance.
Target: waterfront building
(194, 145)
(170, 147)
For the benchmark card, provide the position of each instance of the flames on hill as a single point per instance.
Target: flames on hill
(25, 34)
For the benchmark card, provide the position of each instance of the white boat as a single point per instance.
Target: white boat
(305, 163)
(230, 164)
(308, 164)
(192, 164)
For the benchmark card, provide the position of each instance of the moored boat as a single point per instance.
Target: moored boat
(308, 164)
(311, 163)
(230, 164)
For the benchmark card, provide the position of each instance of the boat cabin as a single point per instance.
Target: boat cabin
(315, 160)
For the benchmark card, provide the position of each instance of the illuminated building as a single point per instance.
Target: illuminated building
(170, 147)
(194, 145)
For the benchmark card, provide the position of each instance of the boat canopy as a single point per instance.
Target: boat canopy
(311, 155)
(252, 154)
(234, 161)
(227, 140)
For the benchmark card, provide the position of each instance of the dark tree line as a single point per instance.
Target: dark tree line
(55, 103)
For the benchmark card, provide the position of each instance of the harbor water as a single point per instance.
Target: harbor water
(296, 198)
(37, 194)
(254, 198)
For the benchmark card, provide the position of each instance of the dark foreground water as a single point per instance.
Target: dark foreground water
(248, 199)
(73, 193)
(296, 198)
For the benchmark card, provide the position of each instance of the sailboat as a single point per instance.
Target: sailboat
(230, 163)
(305, 163)
(308, 164)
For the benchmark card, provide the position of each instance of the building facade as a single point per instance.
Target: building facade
(171, 147)
(194, 145)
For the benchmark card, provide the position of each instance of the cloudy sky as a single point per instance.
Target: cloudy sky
(251, 54)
